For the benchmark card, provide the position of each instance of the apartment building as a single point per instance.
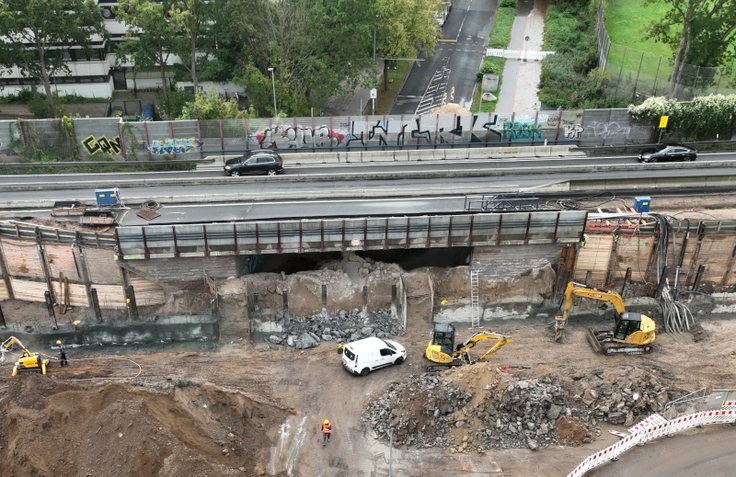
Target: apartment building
(93, 73)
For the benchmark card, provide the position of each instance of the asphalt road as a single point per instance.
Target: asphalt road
(699, 453)
(457, 57)
(367, 168)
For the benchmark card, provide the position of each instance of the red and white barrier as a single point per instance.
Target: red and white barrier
(654, 427)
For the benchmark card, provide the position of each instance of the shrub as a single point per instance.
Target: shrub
(489, 67)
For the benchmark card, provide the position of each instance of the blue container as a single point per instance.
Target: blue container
(107, 196)
(641, 204)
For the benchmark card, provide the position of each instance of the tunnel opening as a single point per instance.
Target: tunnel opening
(407, 259)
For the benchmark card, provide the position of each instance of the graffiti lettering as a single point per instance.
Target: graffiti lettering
(417, 133)
(174, 146)
(94, 145)
(297, 137)
(555, 121)
(574, 132)
(352, 137)
(518, 131)
(610, 130)
(381, 137)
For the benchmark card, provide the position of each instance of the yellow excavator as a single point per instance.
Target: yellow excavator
(633, 333)
(442, 350)
(29, 362)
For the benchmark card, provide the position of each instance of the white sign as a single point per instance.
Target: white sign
(355, 242)
(374, 93)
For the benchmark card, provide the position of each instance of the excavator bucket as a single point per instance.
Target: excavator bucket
(559, 328)
(593, 340)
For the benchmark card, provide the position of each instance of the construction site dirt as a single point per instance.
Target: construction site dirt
(256, 409)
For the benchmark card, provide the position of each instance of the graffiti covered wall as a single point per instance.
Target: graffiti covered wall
(153, 140)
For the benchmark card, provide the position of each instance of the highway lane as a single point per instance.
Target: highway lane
(456, 60)
(337, 169)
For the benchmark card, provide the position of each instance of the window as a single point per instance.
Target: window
(386, 352)
(265, 160)
(389, 345)
(350, 355)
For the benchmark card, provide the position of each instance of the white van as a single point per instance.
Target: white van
(366, 355)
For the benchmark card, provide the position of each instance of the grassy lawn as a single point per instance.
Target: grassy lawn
(489, 106)
(501, 33)
(627, 30)
(500, 38)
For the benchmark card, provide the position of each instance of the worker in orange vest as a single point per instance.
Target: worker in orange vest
(326, 431)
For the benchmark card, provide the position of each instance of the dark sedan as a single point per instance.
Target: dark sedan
(668, 153)
(256, 161)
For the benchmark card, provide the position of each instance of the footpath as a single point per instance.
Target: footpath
(519, 88)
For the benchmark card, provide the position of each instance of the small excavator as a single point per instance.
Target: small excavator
(441, 349)
(633, 333)
(29, 362)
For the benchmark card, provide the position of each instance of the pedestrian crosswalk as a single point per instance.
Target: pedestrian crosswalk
(434, 95)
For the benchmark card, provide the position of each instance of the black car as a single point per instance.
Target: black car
(668, 153)
(259, 160)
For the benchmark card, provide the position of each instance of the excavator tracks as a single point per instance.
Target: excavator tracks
(602, 342)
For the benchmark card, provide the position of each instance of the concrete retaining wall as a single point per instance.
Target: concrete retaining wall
(89, 333)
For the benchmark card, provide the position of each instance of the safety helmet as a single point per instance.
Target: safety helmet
(58, 341)
(326, 421)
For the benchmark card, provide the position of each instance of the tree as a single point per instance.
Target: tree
(150, 35)
(405, 29)
(38, 33)
(193, 20)
(702, 26)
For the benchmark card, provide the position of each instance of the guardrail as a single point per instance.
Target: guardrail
(656, 426)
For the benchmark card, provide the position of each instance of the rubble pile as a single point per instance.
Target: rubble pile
(478, 407)
(621, 398)
(308, 332)
(419, 411)
(520, 415)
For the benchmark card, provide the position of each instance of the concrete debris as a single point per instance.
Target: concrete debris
(308, 332)
(477, 408)
(418, 411)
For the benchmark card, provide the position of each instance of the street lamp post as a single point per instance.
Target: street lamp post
(273, 83)
(375, 66)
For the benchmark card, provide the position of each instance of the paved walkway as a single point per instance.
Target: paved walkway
(519, 89)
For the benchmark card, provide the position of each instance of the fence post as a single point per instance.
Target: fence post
(620, 71)
(50, 308)
(636, 83)
(697, 76)
(719, 81)
(656, 76)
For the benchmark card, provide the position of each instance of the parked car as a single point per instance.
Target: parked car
(668, 153)
(256, 161)
(366, 355)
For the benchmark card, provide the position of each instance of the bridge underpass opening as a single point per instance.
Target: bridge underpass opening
(408, 260)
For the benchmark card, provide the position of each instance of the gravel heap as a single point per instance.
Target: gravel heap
(621, 398)
(520, 415)
(308, 332)
(478, 407)
(419, 411)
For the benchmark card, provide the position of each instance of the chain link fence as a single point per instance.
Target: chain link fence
(638, 75)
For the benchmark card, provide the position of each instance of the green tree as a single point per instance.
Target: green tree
(696, 30)
(405, 29)
(38, 33)
(149, 37)
(193, 20)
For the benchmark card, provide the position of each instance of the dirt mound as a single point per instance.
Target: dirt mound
(451, 108)
(50, 428)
